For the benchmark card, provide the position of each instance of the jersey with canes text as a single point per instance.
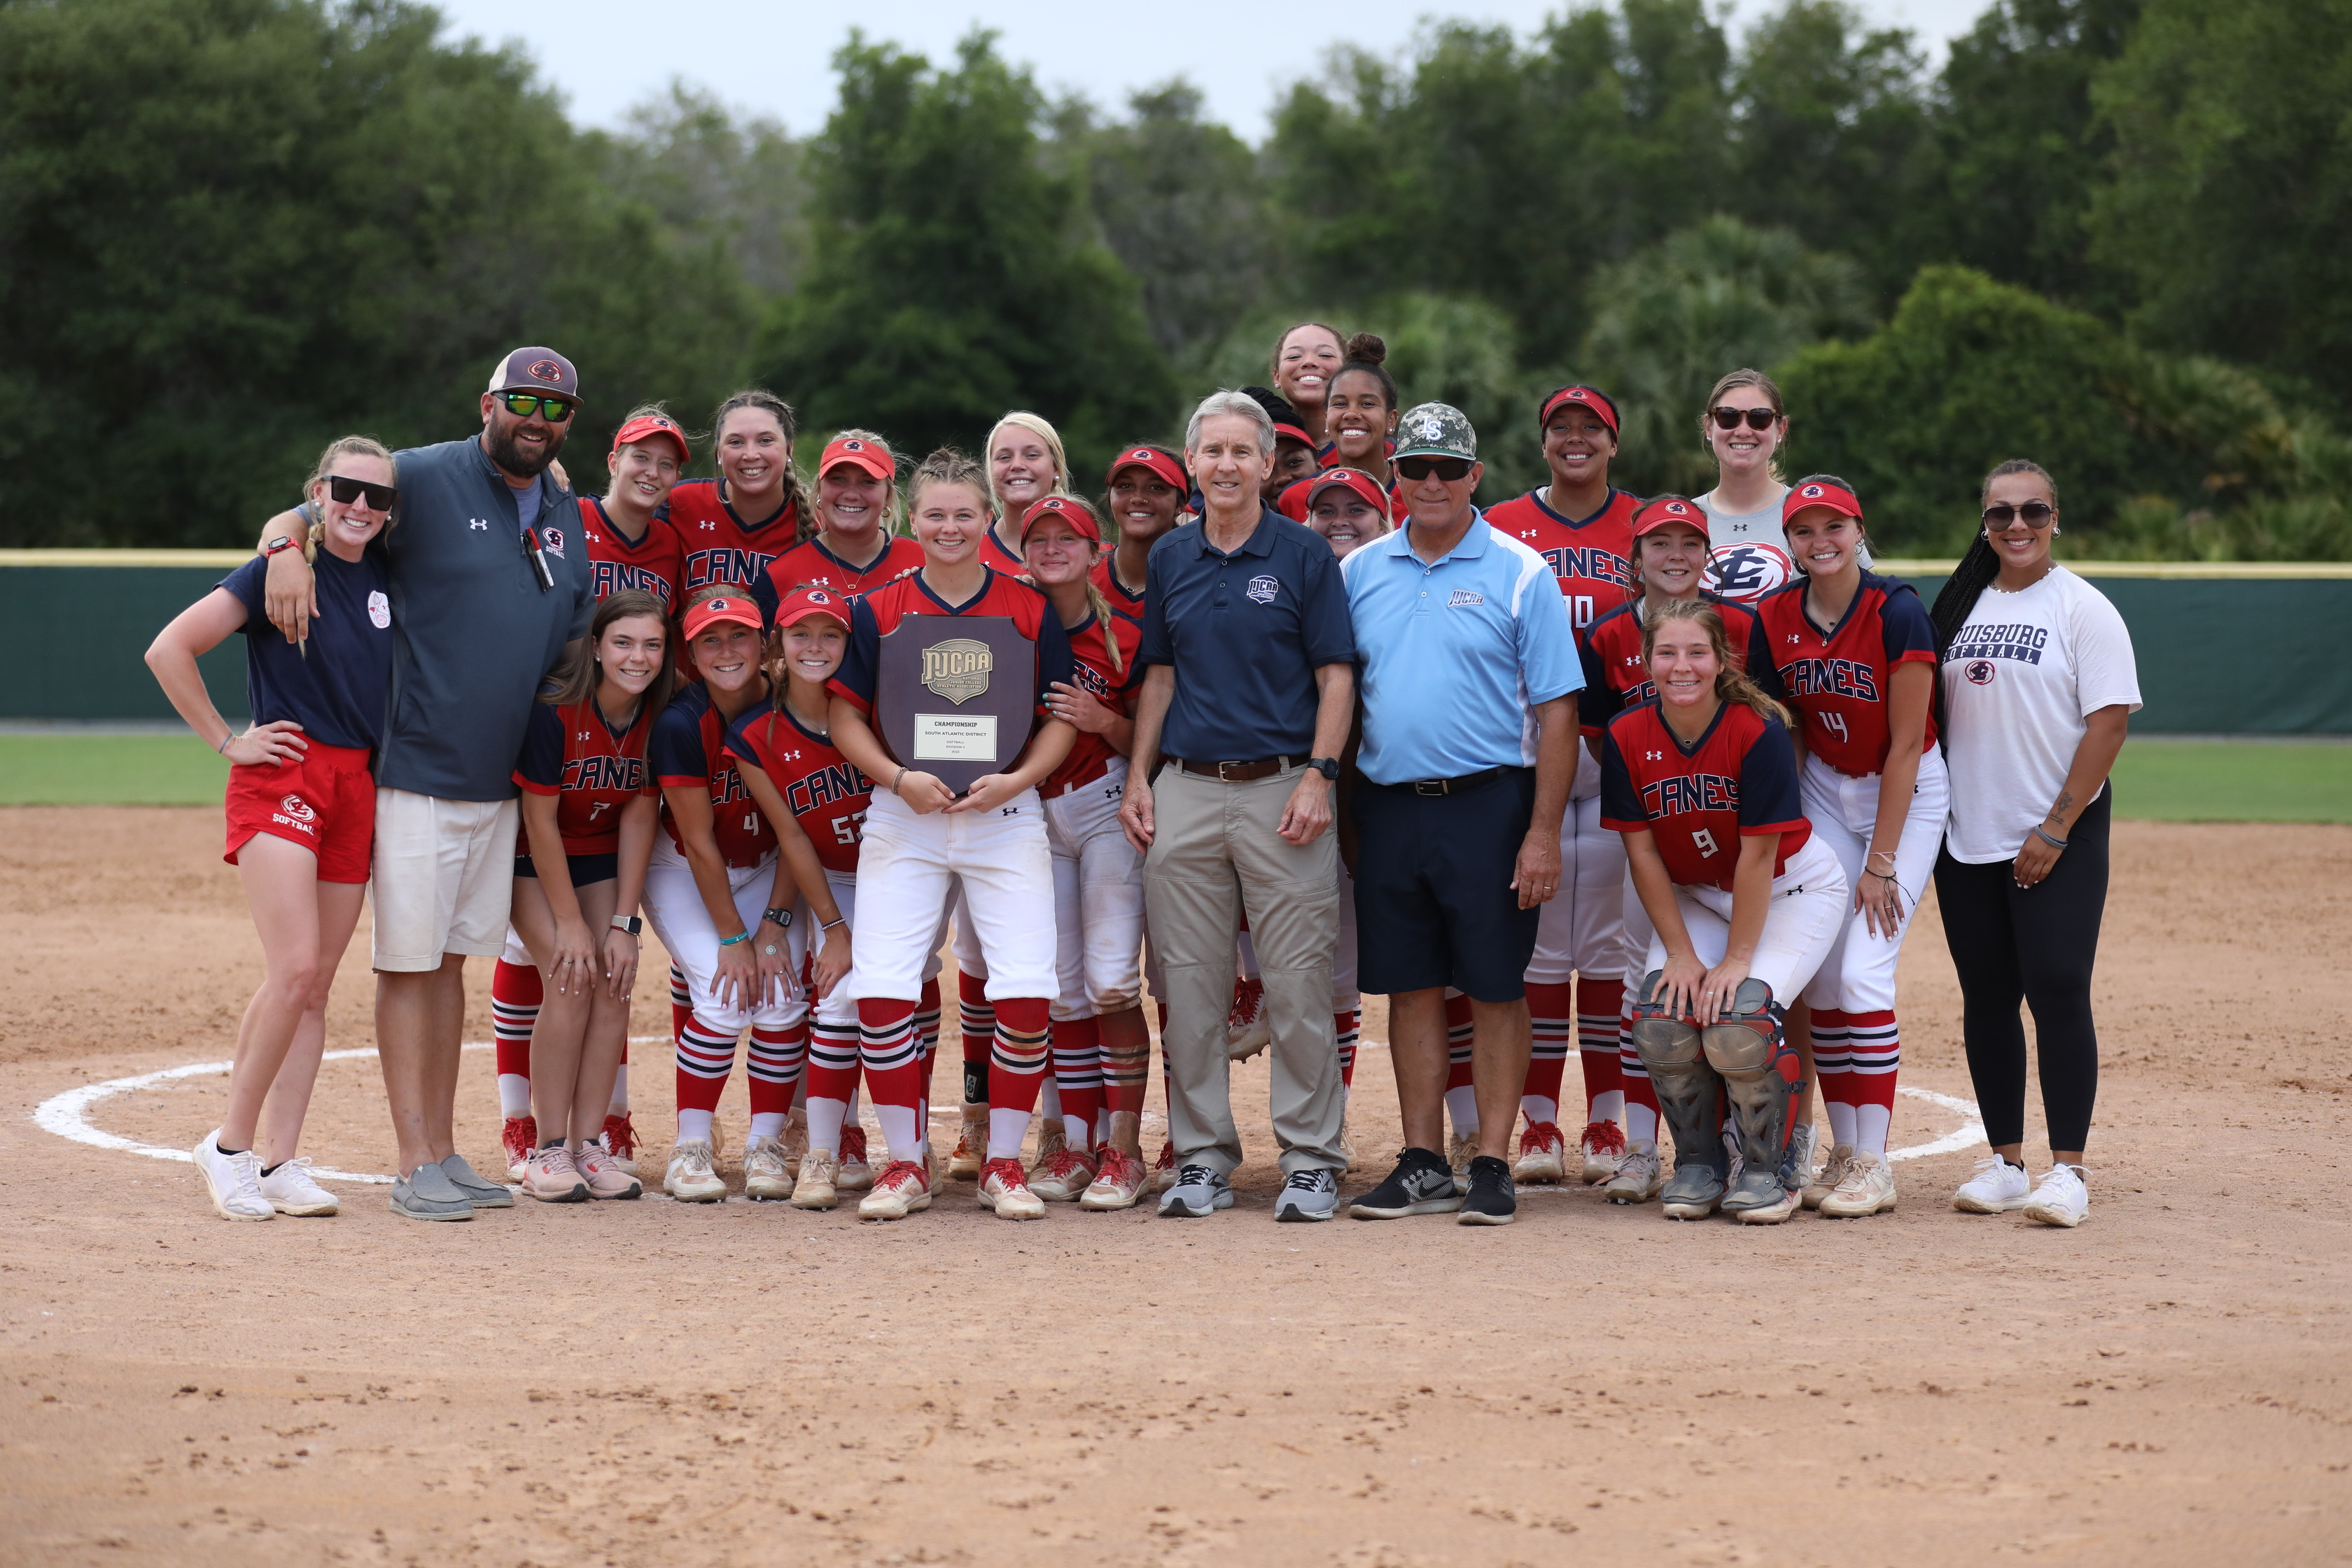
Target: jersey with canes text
(1593, 559)
(576, 754)
(1616, 675)
(1697, 802)
(827, 794)
(1838, 679)
(1090, 647)
(655, 565)
(688, 748)
(719, 546)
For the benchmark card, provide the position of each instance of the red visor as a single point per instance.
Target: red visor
(1817, 492)
(1589, 397)
(809, 602)
(1666, 509)
(1079, 519)
(1160, 464)
(739, 608)
(644, 427)
(871, 456)
(1355, 481)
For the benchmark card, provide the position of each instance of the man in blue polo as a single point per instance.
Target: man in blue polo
(1248, 688)
(490, 589)
(1468, 676)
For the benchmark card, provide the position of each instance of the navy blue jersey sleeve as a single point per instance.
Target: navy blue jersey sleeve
(1599, 701)
(1155, 647)
(674, 750)
(738, 737)
(1765, 673)
(1620, 801)
(764, 595)
(1768, 781)
(1055, 659)
(1904, 621)
(1326, 630)
(540, 766)
(248, 583)
(860, 660)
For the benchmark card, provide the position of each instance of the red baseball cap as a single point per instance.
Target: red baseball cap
(1355, 481)
(1161, 465)
(1592, 397)
(1658, 513)
(649, 425)
(1820, 492)
(809, 602)
(1283, 432)
(740, 609)
(1070, 509)
(856, 451)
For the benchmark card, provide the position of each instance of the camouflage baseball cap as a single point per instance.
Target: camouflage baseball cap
(1436, 430)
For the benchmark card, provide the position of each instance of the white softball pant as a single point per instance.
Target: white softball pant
(674, 905)
(1858, 975)
(908, 865)
(1097, 899)
(1801, 923)
(1584, 927)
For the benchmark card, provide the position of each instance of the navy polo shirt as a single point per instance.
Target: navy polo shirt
(473, 635)
(1245, 634)
(334, 689)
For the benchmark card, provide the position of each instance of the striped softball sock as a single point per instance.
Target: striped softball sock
(515, 992)
(1875, 1046)
(706, 1055)
(773, 1065)
(893, 1078)
(1346, 1027)
(1597, 1003)
(1550, 1011)
(832, 1078)
(1641, 1095)
(1016, 1070)
(1460, 1097)
(1833, 1069)
(1078, 1073)
(681, 1000)
(976, 1020)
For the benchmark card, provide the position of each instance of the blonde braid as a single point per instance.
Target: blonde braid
(1101, 608)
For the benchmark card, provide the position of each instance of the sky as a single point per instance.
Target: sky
(775, 60)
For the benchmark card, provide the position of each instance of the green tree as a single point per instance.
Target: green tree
(953, 274)
(2230, 207)
(704, 172)
(1670, 321)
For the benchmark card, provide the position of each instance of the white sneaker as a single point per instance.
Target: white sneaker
(1638, 1176)
(690, 1179)
(766, 1179)
(1867, 1186)
(1998, 1187)
(231, 1180)
(290, 1190)
(2062, 1198)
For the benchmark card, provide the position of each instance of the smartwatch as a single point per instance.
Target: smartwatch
(781, 919)
(283, 542)
(633, 924)
(1328, 766)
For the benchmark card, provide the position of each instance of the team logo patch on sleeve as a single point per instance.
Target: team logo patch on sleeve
(1264, 589)
(379, 609)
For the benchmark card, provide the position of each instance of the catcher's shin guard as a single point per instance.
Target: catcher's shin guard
(1689, 1102)
(1749, 1048)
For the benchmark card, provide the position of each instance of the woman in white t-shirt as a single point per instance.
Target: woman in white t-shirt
(2038, 686)
(1743, 426)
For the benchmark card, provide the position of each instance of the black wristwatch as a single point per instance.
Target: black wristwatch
(1328, 766)
(781, 919)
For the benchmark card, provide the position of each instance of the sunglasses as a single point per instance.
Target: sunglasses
(1450, 470)
(523, 404)
(379, 498)
(2036, 513)
(1757, 418)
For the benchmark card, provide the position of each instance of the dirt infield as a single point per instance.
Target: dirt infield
(653, 1384)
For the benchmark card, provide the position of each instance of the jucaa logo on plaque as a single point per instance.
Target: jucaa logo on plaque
(955, 695)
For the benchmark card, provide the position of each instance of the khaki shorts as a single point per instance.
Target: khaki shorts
(444, 879)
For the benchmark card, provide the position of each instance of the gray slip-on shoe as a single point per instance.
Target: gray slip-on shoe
(1309, 1194)
(428, 1193)
(481, 1193)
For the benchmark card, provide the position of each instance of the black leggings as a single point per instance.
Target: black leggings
(2035, 944)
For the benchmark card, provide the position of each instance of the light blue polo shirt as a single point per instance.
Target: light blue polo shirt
(1452, 657)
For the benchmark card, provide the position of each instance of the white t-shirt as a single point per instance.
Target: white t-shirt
(2020, 679)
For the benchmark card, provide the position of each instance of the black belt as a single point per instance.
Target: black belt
(1238, 773)
(1450, 786)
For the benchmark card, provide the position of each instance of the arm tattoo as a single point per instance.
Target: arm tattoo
(2065, 799)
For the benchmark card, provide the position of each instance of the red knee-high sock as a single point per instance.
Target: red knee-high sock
(1877, 1047)
(1833, 1070)
(1459, 1040)
(682, 1001)
(832, 1060)
(1641, 1095)
(1078, 1073)
(1550, 1010)
(516, 992)
(1345, 1027)
(894, 1075)
(976, 1017)
(1016, 1070)
(1599, 1004)
(706, 1055)
(926, 1033)
(774, 1066)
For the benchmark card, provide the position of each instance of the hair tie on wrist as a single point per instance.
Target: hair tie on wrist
(2053, 843)
(899, 780)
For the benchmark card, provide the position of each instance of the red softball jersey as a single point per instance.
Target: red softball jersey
(1615, 677)
(996, 558)
(655, 565)
(1697, 802)
(1115, 592)
(879, 614)
(827, 794)
(811, 565)
(1837, 680)
(1090, 647)
(576, 754)
(719, 546)
(1593, 558)
(689, 747)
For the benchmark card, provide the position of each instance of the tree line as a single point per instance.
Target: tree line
(2107, 234)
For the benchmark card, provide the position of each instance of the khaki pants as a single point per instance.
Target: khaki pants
(1216, 852)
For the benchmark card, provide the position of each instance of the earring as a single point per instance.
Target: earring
(2055, 530)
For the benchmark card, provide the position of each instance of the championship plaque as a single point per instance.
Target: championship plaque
(955, 695)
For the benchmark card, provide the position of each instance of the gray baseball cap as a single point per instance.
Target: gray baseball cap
(1436, 430)
(535, 370)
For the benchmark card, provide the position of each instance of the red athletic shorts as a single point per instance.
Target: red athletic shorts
(325, 803)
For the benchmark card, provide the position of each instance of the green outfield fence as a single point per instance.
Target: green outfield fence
(2236, 649)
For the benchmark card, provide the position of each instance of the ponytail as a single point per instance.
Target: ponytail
(1101, 609)
(1732, 683)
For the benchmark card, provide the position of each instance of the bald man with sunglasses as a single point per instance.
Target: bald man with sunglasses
(490, 589)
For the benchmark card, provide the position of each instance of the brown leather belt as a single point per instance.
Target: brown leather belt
(1449, 786)
(1238, 773)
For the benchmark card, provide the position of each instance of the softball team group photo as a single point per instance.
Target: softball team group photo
(1203, 749)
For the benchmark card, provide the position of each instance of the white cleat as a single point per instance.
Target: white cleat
(1819, 1186)
(1867, 1186)
(1998, 1187)
(1003, 1188)
(1639, 1177)
(690, 1179)
(766, 1177)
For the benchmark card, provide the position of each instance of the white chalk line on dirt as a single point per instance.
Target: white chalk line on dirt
(68, 1115)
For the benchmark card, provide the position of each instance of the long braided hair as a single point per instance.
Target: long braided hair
(1981, 564)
